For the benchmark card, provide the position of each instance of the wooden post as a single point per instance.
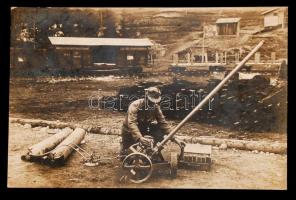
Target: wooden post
(272, 57)
(225, 56)
(217, 57)
(238, 29)
(221, 57)
(206, 57)
(188, 57)
(192, 58)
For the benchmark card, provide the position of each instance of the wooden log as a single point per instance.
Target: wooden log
(60, 154)
(39, 122)
(46, 145)
(238, 144)
(60, 125)
(280, 148)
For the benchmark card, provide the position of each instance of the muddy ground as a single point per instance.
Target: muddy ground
(66, 100)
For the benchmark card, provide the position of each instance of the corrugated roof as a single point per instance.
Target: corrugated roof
(227, 20)
(82, 41)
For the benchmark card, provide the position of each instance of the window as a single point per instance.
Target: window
(67, 54)
(130, 57)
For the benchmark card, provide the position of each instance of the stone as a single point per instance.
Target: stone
(215, 148)
(223, 146)
(36, 128)
(27, 126)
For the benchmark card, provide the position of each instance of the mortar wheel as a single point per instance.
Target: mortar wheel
(174, 165)
(137, 167)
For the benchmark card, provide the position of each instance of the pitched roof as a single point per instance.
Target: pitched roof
(83, 41)
(268, 11)
(271, 10)
(227, 20)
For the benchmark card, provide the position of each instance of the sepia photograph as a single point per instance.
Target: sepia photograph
(148, 97)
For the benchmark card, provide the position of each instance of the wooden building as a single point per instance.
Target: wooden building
(81, 52)
(228, 26)
(276, 17)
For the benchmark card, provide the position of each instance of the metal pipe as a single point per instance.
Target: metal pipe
(210, 95)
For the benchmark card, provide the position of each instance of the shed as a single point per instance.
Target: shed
(274, 17)
(79, 52)
(228, 26)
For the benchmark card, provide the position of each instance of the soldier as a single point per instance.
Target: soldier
(144, 117)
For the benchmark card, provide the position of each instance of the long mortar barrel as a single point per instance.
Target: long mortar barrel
(210, 95)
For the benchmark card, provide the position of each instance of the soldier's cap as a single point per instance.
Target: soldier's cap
(153, 94)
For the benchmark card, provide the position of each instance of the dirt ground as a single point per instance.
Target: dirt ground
(232, 169)
(66, 100)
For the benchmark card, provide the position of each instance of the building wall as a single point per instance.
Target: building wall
(228, 28)
(139, 55)
(70, 58)
(274, 18)
(73, 58)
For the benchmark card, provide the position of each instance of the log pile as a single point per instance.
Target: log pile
(56, 149)
(60, 154)
(39, 149)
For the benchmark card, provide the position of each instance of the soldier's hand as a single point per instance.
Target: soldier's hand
(145, 141)
(183, 144)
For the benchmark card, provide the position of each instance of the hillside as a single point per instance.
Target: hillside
(180, 28)
(174, 29)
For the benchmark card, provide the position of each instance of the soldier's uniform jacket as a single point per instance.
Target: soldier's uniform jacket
(138, 119)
